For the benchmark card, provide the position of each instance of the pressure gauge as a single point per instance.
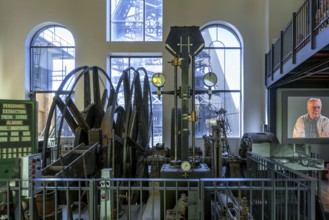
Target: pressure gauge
(210, 79)
(185, 166)
(158, 80)
(305, 162)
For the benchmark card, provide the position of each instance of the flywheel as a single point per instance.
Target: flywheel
(131, 156)
(84, 88)
(124, 122)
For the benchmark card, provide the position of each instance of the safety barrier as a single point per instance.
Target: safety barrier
(271, 191)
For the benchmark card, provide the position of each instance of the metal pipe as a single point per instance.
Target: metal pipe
(193, 109)
(185, 95)
(176, 104)
(220, 148)
(214, 153)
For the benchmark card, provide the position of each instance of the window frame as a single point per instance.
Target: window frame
(236, 34)
(47, 93)
(155, 99)
(31, 47)
(158, 27)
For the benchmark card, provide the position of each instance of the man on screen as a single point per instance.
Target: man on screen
(312, 124)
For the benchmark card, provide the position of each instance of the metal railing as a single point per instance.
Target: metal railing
(309, 20)
(271, 191)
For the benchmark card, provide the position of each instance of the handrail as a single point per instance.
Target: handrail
(309, 20)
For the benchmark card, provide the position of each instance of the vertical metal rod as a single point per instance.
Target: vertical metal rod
(214, 153)
(129, 204)
(185, 96)
(56, 197)
(79, 198)
(68, 201)
(294, 38)
(218, 153)
(312, 13)
(202, 192)
(113, 152)
(91, 200)
(311, 195)
(175, 114)
(219, 149)
(193, 107)
(281, 52)
(176, 100)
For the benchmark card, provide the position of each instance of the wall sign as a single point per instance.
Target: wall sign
(17, 128)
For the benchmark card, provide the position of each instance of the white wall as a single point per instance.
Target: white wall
(86, 20)
(280, 14)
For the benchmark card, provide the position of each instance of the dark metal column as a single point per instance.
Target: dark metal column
(184, 43)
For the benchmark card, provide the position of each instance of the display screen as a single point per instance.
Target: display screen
(294, 105)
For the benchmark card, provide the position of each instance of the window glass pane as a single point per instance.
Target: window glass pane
(44, 103)
(152, 65)
(227, 67)
(153, 20)
(221, 34)
(52, 58)
(61, 68)
(232, 106)
(118, 65)
(54, 36)
(222, 56)
(139, 20)
(209, 109)
(127, 20)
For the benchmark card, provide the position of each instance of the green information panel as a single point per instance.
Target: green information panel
(17, 131)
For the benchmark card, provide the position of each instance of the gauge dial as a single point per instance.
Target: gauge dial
(305, 162)
(210, 79)
(185, 166)
(158, 80)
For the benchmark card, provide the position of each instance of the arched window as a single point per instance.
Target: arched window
(222, 55)
(52, 57)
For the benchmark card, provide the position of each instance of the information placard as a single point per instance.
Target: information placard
(17, 128)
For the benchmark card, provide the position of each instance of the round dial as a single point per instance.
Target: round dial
(304, 162)
(185, 166)
(158, 80)
(210, 79)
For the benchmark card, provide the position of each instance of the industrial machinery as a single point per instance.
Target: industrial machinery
(184, 43)
(103, 123)
(116, 136)
(111, 139)
(87, 130)
(107, 134)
